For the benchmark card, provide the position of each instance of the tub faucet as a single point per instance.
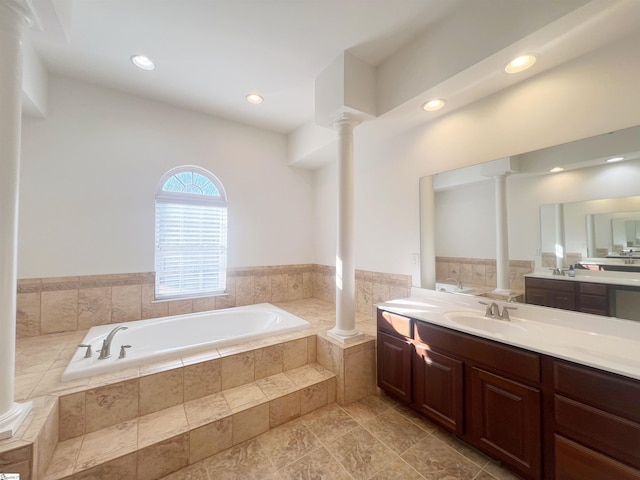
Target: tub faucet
(105, 351)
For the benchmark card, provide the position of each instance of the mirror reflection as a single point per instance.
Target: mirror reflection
(465, 222)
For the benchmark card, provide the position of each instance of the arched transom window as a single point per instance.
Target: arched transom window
(191, 234)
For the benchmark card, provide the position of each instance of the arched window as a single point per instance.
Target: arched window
(191, 234)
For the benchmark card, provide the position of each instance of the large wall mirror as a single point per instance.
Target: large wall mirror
(464, 224)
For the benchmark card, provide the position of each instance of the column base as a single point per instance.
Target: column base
(345, 337)
(11, 421)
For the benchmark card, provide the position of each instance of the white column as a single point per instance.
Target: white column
(502, 237)
(345, 328)
(427, 236)
(591, 235)
(560, 247)
(13, 16)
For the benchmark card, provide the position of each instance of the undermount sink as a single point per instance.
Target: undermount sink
(479, 322)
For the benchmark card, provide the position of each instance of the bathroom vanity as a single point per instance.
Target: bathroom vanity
(612, 294)
(544, 396)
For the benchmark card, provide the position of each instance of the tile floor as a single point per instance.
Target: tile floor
(375, 438)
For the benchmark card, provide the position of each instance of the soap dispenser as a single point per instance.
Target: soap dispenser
(572, 272)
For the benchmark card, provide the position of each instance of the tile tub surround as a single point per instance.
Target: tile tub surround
(41, 360)
(63, 304)
(481, 272)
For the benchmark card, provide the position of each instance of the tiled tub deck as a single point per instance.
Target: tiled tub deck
(162, 417)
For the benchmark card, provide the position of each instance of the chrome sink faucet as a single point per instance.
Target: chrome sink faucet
(457, 280)
(105, 351)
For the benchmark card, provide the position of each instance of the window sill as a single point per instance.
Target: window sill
(194, 297)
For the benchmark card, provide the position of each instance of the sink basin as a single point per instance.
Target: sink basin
(478, 321)
(445, 287)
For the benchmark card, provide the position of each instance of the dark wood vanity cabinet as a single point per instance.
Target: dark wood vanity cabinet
(550, 293)
(596, 424)
(593, 298)
(542, 417)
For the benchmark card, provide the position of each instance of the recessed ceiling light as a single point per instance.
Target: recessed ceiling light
(520, 64)
(254, 98)
(556, 169)
(615, 159)
(143, 62)
(435, 104)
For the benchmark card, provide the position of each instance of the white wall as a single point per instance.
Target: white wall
(90, 171)
(577, 100)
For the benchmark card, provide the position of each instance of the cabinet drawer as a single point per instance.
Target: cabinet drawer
(605, 432)
(593, 288)
(599, 301)
(394, 324)
(576, 462)
(609, 392)
(502, 358)
(556, 285)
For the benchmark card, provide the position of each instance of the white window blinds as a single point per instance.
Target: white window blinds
(191, 235)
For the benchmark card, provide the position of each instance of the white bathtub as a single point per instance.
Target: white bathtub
(160, 338)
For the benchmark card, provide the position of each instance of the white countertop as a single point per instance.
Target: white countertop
(606, 343)
(630, 279)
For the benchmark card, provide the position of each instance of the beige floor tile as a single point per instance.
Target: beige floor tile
(493, 471)
(398, 469)
(317, 465)
(207, 409)
(122, 467)
(308, 375)
(197, 471)
(441, 462)
(360, 453)
(461, 447)
(413, 417)
(64, 458)
(369, 407)
(246, 461)
(288, 443)
(329, 422)
(395, 431)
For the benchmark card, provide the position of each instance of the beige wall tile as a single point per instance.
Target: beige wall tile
(243, 397)
(204, 304)
(28, 314)
(250, 423)
(364, 296)
(94, 307)
(278, 287)
(163, 458)
(161, 425)
(478, 274)
(329, 355)
(283, 409)
(295, 353)
(359, 375)
(245, 290)
(381, 293)
(237, 369)
(268, 361)
(466, 273)
(72, 416)
(311, 349)
(45, 443)
(314, 397)
(206, 410)
(294, 286)
(149, 308)
(262, 285)
(59, 311)
(180, 307)
(111, 404)
(331, 390)
(210, 439)
(161, 390)
(202, 379)
(307, 284)
(126, 303)
(123, 467)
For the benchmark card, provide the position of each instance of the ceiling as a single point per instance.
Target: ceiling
(210, 54)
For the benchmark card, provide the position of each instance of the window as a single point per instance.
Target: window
(191, 234)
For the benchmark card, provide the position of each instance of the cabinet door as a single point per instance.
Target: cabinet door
(506, 421)
(394, 366)
(438, 388)
(577, 462)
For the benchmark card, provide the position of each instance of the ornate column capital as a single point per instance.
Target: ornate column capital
(345, 120)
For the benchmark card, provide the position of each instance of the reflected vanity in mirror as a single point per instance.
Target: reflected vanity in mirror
(462, 227)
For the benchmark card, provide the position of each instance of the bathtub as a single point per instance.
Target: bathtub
(175, 336)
